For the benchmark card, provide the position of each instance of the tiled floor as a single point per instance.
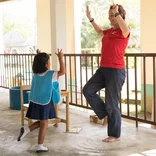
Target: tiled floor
(134, 142)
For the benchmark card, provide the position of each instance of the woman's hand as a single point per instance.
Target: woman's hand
(88, 14)
(59, 53)
(114, 8)
(38, 51)
(96, 27)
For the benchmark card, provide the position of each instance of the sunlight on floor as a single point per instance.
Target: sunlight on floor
(146, 153)
(135, 155)
(145, 125)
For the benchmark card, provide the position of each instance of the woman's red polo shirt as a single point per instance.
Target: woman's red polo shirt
(113, 48)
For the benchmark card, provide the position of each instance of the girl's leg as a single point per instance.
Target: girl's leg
(41, 136)
(25, 131)
(34, 126)
(42, 131)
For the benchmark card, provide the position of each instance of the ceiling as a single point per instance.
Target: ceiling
(4, 0)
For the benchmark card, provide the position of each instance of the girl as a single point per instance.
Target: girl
(41, 107)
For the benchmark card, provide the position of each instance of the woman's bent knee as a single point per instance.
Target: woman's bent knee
(85, 90)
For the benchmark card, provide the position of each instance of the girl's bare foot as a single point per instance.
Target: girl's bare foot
(111, 139)
(105, 121)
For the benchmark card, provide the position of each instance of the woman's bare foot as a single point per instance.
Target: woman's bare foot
(111, 139)
(105, 121)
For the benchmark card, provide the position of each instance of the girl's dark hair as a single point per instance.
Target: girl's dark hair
(120, 10)
(40, 61)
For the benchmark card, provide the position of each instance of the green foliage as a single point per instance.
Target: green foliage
(21, 25)
(89, 38)
(8, 24)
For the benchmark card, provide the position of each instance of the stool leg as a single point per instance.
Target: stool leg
(22, 117)
(67, 112)
(56, 110)
(29, 122)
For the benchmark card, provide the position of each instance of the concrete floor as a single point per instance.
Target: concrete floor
(134, 142)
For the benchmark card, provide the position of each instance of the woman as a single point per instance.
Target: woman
(111, 73)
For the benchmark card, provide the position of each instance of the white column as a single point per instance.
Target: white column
(43, 20)
(46, 28)
(1, 47)
(53, 34)
(148, 25)
(1, 33)
(77, 22)
(148, 33)
(65, 37)
(55, 27)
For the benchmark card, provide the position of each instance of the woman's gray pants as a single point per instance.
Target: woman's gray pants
(112, 80)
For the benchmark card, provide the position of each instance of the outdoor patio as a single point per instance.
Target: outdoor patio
(134, 141)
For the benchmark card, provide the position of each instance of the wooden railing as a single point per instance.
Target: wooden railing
(138, 94)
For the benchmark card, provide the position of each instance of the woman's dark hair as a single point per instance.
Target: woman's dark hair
(40, 61)
(120, 10)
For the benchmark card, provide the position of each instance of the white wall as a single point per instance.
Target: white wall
(55, 28)
(1, 33)
(148, 45)
(148, 34)
(43, 21)
(148, 26)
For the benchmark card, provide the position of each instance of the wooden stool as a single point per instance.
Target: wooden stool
(64, 93)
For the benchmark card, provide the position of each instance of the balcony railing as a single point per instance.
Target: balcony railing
(138, 94)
